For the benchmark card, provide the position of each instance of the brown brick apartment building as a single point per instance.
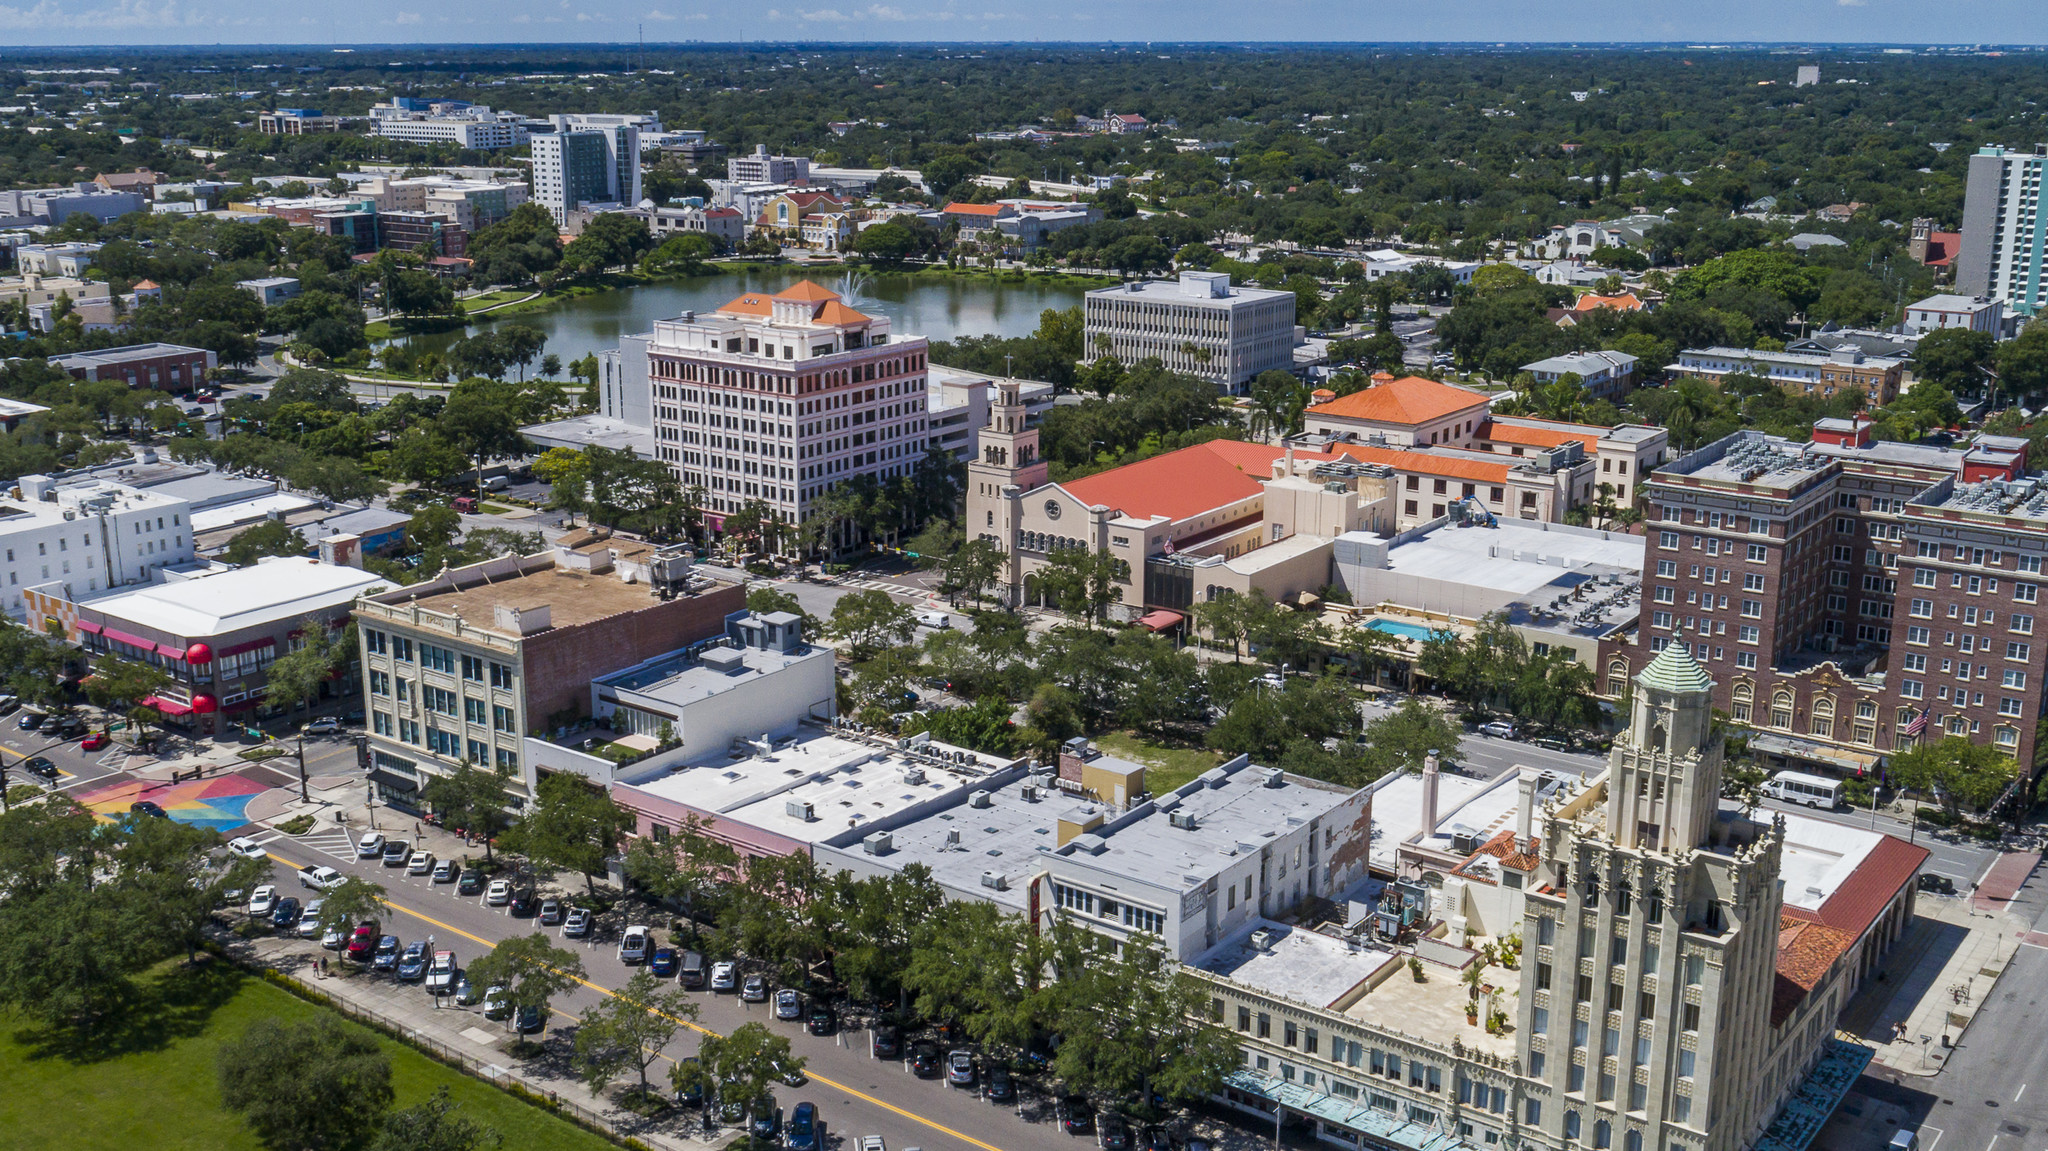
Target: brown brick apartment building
(1841, 590)
(165, 367)
(464, 667)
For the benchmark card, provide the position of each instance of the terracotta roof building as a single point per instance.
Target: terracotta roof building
(773, 397)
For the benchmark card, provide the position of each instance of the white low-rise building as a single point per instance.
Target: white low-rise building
(1973, 313)
(1200, 324)
(82, 538)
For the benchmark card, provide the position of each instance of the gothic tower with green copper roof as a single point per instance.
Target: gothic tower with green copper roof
(1665, 782)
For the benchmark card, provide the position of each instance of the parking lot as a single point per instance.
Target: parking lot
(857, 1089)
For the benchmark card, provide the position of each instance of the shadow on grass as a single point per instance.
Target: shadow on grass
(142, 1015)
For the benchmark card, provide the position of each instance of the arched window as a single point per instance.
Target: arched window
(1823, 718)
(1617, 677)
(1745, 698)
(1958, 725)
(1656, 904)
(2006, 736)
(1633, 1141)
(1603, 1134)
(1571, 1125)
(1781, 710)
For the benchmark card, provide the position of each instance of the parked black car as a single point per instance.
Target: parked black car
(524, 902)
(1001, 1088)
(1075, 1118)
(888, 1043)
(1113, 1132)
(823, 1021)
(471, 883)
(924, 1059)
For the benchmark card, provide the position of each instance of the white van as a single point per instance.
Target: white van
(1811, 790)
(931, 618)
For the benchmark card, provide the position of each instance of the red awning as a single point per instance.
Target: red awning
(88, 627)
(173, 650)
(124, 637)
(168, 706)
(251, 645)
(1160, 620)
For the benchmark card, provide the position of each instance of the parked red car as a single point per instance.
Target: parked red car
(362, 942)
(94, 742)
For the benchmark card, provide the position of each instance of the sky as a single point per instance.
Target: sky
(1905, 22)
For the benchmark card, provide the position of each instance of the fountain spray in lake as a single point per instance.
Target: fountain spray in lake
(852, 288)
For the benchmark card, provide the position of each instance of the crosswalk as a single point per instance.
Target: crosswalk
(335, 844)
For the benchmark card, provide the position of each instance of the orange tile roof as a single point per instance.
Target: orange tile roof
(975, 209)
(1807, 951)
(807, 290)
(754, 304)
(1428, 463)
(1534, 437)
(834, 312)
(1184, 483)
(1625, 302)
(1409, 400)
(1862, 897)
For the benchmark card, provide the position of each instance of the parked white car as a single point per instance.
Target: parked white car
(309, 919)
(441, 976)
(263, 900)
(421, 863)
(499, 893)
(325, 725)
(246, 848)
(319, 878)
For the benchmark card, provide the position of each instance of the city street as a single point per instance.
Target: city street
(1991, 1093)
(856, 1094)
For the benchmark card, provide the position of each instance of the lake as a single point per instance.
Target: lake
(936, 307)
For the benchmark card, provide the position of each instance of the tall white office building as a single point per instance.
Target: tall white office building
(2003, 232)
(777, 398)
(595, 164)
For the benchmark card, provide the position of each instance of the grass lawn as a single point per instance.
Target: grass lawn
(152, 1083)
(492, 299)
(1166, 767)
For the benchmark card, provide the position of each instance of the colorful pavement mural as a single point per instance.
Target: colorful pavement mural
(217, 803)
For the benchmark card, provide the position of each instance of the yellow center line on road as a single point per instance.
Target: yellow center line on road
(692, 1025)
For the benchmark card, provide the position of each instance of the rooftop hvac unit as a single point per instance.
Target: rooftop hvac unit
(994, 881)
(1262, 939)
(979, 798)
(953, 837)
(1030, 792)
(880, 843)
(1182, 819)
(798, 809)
(913, 775)
(1275, 777)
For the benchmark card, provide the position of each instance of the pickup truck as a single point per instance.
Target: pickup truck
(319, 878)
(872, 1143)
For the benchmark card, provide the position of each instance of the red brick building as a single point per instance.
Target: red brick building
(164, 367)
(1851, 597)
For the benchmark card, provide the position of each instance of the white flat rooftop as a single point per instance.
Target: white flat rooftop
(1819, 856)
(850, 783)
(1397, 810)
(271, 592)
(1515, 559)
(249, 511)
(1296, 963)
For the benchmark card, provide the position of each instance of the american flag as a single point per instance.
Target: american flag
(1919, 723)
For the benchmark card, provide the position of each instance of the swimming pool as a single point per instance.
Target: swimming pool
(1404, 630)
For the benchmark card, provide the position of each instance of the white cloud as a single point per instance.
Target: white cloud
(871, 12)
(406, 18)
(1852, 3)
(587, 18)
(126, 14)
(658, 14)
(522, 18)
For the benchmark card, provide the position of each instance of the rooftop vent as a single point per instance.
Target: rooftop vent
(979, 798)
(1092, 844)
(994, 881)
(798, 809)
(1262, 939)
(880, 843)
(1184, 820)
(913, 775)
(1029, 792)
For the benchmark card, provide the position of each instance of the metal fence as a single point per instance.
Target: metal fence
(627, 1131)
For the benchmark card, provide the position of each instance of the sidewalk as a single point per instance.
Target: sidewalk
(479, 1045)
(1942, 969)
